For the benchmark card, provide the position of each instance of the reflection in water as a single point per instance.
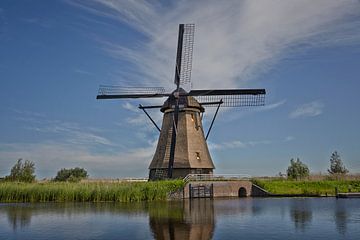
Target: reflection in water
(340, 216)
(18, 217)
(19, 214)
(188, 220)
(301, 213)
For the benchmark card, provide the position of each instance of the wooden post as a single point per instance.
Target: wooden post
(336, 191)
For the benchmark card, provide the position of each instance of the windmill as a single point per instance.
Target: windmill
(182, 147)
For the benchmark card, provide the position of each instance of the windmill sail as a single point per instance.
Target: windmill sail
(230, 97)
(184, 54)
(112, 92)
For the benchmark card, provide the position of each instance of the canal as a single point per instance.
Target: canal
(236, 218)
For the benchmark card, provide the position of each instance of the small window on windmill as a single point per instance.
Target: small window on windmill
(198, 156)
(192, 117)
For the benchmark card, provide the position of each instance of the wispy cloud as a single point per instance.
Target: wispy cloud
(130, 107)
(271, 106)
(234, 41)
(240, 114)
(67, 131)
(49, 157)
(68, 144)
(311, 109)
(289, 139)
(80, 71)
(38, 21)
(139, 119)
(246, 144)
(236, 144)
(28, 113)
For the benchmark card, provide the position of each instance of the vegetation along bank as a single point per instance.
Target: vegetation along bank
(87, 192)
(324, 187)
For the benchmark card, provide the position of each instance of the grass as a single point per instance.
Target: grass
(87, 192)
(307, 187)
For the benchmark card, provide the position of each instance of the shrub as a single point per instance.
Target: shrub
(71, 175)
(297, 169)
(22, 172)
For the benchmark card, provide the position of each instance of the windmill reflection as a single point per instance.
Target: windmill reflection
(193, 219)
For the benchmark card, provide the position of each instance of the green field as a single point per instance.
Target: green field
(87, 192)
(307, 187)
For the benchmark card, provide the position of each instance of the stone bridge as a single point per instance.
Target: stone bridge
(235, 188)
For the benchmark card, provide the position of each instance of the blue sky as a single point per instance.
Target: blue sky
(55, 54)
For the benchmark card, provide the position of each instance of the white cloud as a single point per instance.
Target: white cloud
(234, 40)
(308, 110)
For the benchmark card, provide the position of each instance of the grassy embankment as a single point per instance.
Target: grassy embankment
(87, 192)
(307, 187)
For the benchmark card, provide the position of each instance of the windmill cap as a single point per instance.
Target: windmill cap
(185, 101)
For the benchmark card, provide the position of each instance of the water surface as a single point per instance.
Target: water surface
(247, 218)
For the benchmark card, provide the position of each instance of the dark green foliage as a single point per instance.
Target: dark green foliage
(297, 169)
(22, 172)
(88, 192)
(336, 165)
(71, 175)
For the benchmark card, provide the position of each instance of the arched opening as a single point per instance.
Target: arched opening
(242, 192)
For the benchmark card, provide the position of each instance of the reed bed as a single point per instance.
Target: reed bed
(87, 192)
(308, 187)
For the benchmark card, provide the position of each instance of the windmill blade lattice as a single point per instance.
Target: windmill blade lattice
(230, 97)
(187, 54)
(184, 54)
(112, 92)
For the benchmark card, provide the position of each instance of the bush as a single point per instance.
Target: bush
(22, 172)
(71, 175)
(297, 169)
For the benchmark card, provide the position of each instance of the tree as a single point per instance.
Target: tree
(297, 169)
(336, 165)
(22, 172)
(72, 174)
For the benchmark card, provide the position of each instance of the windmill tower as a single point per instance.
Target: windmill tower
(182, 147)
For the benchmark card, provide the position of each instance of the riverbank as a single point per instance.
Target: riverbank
(286, 187)
(161, 190)
(88, 192)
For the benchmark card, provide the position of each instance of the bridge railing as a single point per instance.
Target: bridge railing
(216, 177)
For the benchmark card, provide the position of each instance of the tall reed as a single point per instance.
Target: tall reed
(87, 192)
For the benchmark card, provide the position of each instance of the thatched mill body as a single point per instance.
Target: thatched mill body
(182, 147)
